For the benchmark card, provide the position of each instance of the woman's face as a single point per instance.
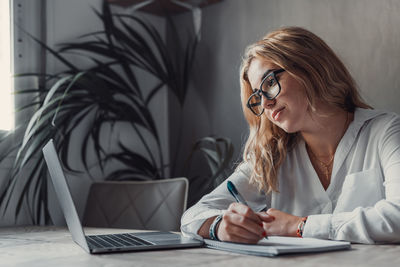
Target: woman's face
(289, 110)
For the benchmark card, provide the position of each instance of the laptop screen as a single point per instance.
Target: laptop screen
(63, 194)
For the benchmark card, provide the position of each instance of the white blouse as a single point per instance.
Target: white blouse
(362, 202)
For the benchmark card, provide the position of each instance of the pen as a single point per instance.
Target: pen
(232, 189)
(235, 193)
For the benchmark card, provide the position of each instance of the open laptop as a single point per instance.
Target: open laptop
(110, 242)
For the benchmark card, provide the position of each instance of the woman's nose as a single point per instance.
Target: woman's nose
(267, 103)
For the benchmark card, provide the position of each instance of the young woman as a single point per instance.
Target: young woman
(318, 161)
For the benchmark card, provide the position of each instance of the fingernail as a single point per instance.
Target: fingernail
(264, 234)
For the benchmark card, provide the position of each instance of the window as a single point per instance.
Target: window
(6, 96)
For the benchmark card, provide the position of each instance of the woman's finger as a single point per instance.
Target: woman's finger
(234, 233)
(245, 211)
(248, 225)
(265, 217)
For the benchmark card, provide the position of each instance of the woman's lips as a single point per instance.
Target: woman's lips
(276, 114)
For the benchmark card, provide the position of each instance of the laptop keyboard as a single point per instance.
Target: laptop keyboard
(116, 240)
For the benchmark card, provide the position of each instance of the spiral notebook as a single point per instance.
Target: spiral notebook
(279, 245)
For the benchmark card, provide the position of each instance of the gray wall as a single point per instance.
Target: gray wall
(364, 33)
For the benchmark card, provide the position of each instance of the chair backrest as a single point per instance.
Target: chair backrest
(149, 205)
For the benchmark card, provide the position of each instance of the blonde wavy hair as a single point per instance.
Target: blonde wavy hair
(309, 60)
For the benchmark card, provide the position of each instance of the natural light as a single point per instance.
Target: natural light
(6, 97)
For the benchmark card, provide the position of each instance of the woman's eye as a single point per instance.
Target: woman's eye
(270, 82)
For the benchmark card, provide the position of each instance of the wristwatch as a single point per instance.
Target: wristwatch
(213, 228)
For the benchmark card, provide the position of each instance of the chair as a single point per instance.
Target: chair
(149, 205)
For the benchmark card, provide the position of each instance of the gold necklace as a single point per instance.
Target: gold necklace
(328, 166)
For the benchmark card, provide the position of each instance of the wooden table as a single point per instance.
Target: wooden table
(52, 246)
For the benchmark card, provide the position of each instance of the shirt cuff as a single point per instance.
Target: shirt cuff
(318, 226)
(190, 226)
(190, 230)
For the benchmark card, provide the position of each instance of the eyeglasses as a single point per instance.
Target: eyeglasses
(269, 88)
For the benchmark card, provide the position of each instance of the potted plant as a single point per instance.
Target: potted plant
(106, 95)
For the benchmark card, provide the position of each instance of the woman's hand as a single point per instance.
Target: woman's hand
(242, 225)
(284, 223)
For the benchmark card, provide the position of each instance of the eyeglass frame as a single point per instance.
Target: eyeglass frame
(261, 92)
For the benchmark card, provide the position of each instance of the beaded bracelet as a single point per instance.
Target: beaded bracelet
(213, 228)
(300, 227)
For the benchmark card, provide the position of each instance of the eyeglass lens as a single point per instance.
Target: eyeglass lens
(255, 104)
(270, 87)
